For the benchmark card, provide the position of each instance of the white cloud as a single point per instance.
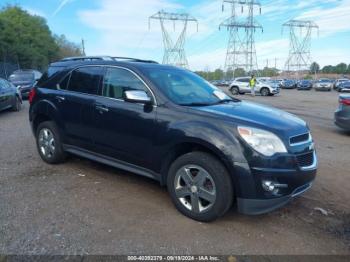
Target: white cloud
(331, 20)
(123, 29)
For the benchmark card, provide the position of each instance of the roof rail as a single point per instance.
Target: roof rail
(87, 58)
(130, 59)
(106, 58)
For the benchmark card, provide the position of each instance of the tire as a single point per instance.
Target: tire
(17, 106)
(264, 91)
(49, 145)
(206, 198)
(234, 90)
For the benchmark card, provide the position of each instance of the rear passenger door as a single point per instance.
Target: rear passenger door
(76, 104)
(124, 130)
(244, 84)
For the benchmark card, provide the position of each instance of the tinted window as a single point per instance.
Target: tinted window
(117, 81)
(243, 80)
(85, 80)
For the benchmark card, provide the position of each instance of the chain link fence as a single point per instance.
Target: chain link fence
(6, 69)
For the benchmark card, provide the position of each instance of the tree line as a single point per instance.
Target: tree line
(27, 41)
(219, 74)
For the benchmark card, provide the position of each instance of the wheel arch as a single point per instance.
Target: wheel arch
(185, 147)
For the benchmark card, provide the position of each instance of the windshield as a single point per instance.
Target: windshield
(186, 88)
(324, 81)
(22, 77)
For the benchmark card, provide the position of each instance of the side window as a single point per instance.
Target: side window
(85, 80)
(244, 80)
(117, 81)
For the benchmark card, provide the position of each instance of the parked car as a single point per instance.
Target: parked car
(304, 85)
(171, 125)
(323, 84)
(338, 82)
(241, 86)
(25, 80)
(10, 97)
(289, 84)
(344, 86)
(342, 115)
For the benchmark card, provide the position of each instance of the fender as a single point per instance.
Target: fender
(47, 108)
(220, 141)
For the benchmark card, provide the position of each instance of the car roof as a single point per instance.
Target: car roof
(64, 66)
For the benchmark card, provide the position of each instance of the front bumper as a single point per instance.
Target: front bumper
(323, 88)
(262, 206)
(252, 199)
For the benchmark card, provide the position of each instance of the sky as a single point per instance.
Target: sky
(121, 28)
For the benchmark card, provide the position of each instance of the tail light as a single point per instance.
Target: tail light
(31, 95)
(344, 101)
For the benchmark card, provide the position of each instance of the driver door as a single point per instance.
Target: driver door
(124, 130)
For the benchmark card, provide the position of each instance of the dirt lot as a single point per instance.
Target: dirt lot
(82, 207)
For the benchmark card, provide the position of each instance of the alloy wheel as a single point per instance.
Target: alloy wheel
(46, 142)
(195, 188)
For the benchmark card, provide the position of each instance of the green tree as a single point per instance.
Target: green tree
(67, 48)
(341, 68)
(26, 39)
(328, 69)
(314, 68)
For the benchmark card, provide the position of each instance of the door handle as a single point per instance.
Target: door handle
(60, 98)
(101, 108)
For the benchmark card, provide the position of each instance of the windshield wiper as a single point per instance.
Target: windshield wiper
(227, 100)
(196, 104)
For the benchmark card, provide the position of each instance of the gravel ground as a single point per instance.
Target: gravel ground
(82, 207)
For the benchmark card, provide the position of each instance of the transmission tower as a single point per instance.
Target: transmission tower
(241, 51)
(174, 52)
(300, 33)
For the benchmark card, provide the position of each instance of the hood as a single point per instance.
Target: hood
(260, 116)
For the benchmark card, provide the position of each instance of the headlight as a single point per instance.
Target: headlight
(262, 141)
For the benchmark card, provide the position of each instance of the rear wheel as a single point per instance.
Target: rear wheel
(234, 90)
(264, 91)
(49, 143)
(200, 186)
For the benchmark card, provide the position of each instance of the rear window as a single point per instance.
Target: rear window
(22, 76)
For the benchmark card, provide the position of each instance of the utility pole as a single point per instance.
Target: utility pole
(174, 52)
(83, 46)
(300, 33)
(241, 51)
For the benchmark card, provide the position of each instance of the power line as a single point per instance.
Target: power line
(174, 52)
(241, 51)
(300, 33)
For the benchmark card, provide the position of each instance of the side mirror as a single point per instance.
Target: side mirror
(137, 96)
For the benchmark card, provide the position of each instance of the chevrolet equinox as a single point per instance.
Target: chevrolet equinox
(169, 124)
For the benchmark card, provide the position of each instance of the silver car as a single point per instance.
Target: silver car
(342, 115)
(241, 86)
(323, 84)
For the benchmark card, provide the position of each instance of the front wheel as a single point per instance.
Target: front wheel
(200, 186)
(264, 91)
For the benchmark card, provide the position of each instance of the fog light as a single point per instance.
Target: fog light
(271, 186)
(268, 186)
